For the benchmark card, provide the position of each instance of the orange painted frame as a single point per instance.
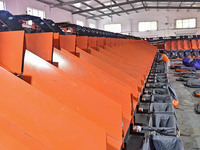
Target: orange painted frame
(40, 44)
(101, 41)
(109, 69)
(92, 42)
(82, 42)
(56, 40)
(96, 79)
(68, 42)
(45, 119)
(74, 94)
(11, 50)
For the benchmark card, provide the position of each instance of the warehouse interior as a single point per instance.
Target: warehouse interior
(100, 75)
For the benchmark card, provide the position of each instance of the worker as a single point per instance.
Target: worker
(165, 59)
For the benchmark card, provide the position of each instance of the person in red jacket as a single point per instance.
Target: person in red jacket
(165, 59)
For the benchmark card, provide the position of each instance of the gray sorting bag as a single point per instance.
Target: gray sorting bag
(157, 98)
(158, 74)
(182, 79)
(159, 142)
(146, 97)
(161, 99)
(164, 124)
(193, 83)
(162, 108)
(184, 68)
(192, 75)
(157, 77)
(164, 80)
(163, 121)
(156, 85)
(160, 91)
(172, 92)
(135, 141)
(166, 108)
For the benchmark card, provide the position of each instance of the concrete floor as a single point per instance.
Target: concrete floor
(189, 121)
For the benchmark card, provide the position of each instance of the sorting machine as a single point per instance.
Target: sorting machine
(90, 87)
(155, 116)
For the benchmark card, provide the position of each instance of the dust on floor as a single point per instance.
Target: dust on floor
(189, 121)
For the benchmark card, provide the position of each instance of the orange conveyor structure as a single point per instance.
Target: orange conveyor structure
(69, 92)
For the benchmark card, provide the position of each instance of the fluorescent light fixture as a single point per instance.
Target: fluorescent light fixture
(77, 5)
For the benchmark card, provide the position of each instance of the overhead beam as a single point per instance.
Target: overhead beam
(49, 3)
(128, 10)
(149, 7)
(107, 6)
(168, 5)
(132, 6)
(192, 4)
(63, 8)
(104, 6)
(119, 6)
(157, 5)
(172, 7)
(68, 3)
(143, 5)
(81, 9)
(92, 7)
(129, 2)
(179, 6)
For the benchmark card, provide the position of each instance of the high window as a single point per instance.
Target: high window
(117, 28)
(186, 23)
(80, 23)
(2, 5)
(35, 12)
(148, 26)
(91, 25)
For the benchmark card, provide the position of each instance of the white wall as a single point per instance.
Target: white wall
(80, 18)
(130, 22)
(18, 7)
(85, 21)
(91, 21)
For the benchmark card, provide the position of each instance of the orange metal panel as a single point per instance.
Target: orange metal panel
(113, 42)
(109, 69)
(44, 119)
(82, 42)
(180, 44)
(198, 43)
(74, 94)
(174, 45)
(68, 42)
(56, 40)
(40, 44)
(194, 44)
(120, 66)
(92, 42)
(95, 78)
(11, 50)
(122, 60)
(108, 41)
(113, 144)
(101, 41)
(130, 58)
(138, 52)
(168, 45)
(128, 62)
(13, 138)
(186, 44)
